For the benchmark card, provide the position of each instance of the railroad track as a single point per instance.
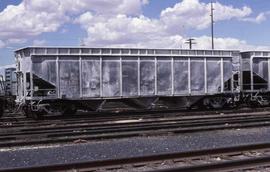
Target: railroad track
(254, 157)
(18, 120)
(88, 129)
(132, 114)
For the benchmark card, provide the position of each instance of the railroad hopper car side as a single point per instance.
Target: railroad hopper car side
(70, 78)
(255, 77)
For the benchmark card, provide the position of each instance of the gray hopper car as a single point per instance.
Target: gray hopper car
(69, 78)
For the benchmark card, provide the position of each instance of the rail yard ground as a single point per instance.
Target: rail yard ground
(28, 143)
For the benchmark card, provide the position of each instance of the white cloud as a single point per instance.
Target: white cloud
(16, 41)
(204, 42)
(166, 32)
(145, 2)
(119, 29)
(195, 14)
(124, 31)
(33, 17)
(39, 42)
(2, 44)
(118, 22)
(259, 19)
(28, 20)
(129, 7)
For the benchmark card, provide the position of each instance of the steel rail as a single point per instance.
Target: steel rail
(85, 123)
(151, 114)
(133, 127)
(121, 133)
(226, 158)
(60, 133)
(224, 166)
(144, 123)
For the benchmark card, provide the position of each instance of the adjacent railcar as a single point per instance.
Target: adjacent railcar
(70, 78)
(255, 87)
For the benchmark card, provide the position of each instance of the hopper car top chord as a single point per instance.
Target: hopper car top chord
(69, 78)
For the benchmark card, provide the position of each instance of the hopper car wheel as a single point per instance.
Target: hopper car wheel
(70, 110)
(253, 104)
(217, 102)
(26, 111)
(33, 114)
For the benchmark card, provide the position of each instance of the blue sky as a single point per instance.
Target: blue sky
(240, 24)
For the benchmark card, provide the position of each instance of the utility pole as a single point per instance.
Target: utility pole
(212, 24)
(190, 42)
